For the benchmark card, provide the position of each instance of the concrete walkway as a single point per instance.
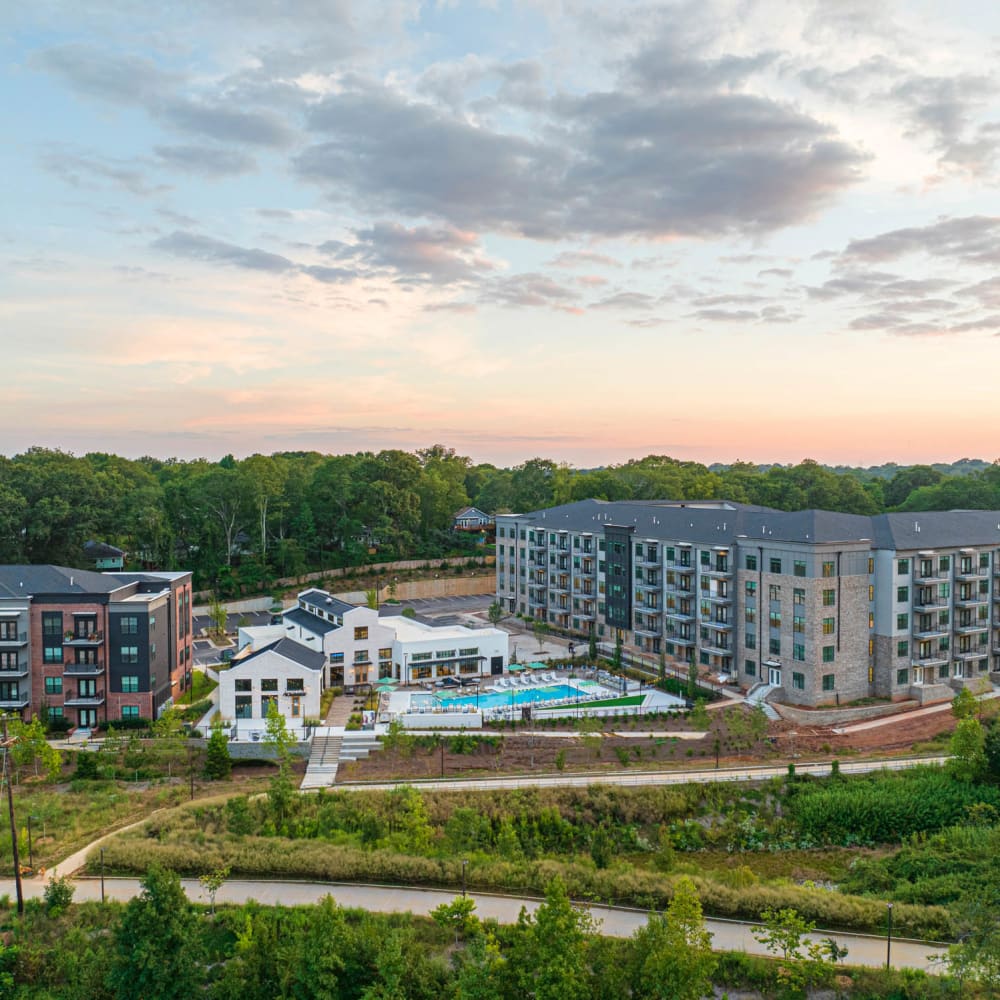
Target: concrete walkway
(917, 713)
(727, 935)
(340, 711)
(634, 778)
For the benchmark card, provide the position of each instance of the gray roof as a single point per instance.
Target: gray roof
(323, 600)
(724, 522)
(101, 550)
(22, 581)
(315, 624)
(291, 650)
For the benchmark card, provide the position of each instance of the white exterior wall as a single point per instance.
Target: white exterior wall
(343, 640)
(269, 665)
(416, 638)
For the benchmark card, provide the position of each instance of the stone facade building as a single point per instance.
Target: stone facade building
(826, 607)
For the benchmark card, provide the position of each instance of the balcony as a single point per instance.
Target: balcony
(11, 639)
(717, 598)
(679, 640)
(931, 660)
(83, 669)
(684, 586)
(971, 654)
(971, 627)
(650, 628)
(721, 624)
(19, 702)
(975, 573)
(931, 632)
(716, 570)
(84, 639)
(927, 604)
(716, 647)
(654, 584)
(84, 700)
(973, 601)
(934, 577)
(648, 560)
(560, 586)
(9, 673)
(679, 616)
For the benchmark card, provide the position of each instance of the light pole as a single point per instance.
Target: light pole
(31, 856)
(888, 934)
(465, 863)
(102, 874)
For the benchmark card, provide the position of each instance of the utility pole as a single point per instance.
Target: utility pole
(7, 743)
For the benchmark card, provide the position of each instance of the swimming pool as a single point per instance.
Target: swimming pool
(521, 696)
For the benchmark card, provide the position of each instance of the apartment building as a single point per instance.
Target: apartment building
(93, 647)
(364, 646)
(826, 607)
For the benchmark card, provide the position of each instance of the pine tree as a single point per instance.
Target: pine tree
(218, 763)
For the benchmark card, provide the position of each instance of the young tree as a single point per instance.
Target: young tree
(616, 658)
(805, 963)
(672, 955)
(964, 704)
(458, 916)
(495, 613)
(218, 763)
(699, 715)
(692, 687)
(967, 748)
(218, 615)
(31, 748)
(592, 646)
(157, 951)
(212, 882)
(480, 971)
(278, 738)
(371, 599)
(548, 957)
(541, 631)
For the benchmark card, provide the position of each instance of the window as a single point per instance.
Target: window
(52, 654)
(829, 680)
(51, 623)
(774, 647)
(751, 588)
(828, 626)
(799, 567)
(704, 557)
(242, 684)
(828, 568)
(903, 647)
(944, 564)
(798, 596)
(902, 621)
(902, 566)
(244, 706)
(130, 683)
(361, 632)
(871, 592)
(294, 684)
(751, 563)
(361, 656)
(798, 651)
(129, 625)
(269, 684)
(871, 565)
(871, 619)
(775, 619)
(129, 654)
(829, 652)
(296, 707)
(903, 676)
(53, 685)
(750, 614)
(337, 658)
(751, 641)
(829, 598)
(984, 560)
(798, 623)
(798, 681)
(902, 594)
(130, 711)
(750, 667)
(871, 648)
(775, 565)
(774, 592)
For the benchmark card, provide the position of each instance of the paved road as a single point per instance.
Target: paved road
(728, 935)
(643, 777)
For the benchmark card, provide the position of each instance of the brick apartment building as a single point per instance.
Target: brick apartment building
(826, 607)
(93, 647)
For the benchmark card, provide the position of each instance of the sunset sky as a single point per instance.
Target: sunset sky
(589, 231)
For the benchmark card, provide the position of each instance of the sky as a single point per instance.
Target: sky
(717, 230)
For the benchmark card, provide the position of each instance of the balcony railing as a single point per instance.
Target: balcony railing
(83, 669)
(83, 639)
(13, 639)
(84, 700)
(21, 701)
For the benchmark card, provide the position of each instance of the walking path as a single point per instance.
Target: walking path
(644, 777)
(944, 706)
(727, 935)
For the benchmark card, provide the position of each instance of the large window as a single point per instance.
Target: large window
(751, 562)
(902, 594)
(829, 653)
(53, 685)
(798, 681)
(774, 592)
(130, 683)
(829, 681)
(775, 565)
(798, 651)
(129, 625)
(829, 598)
(828, 626)
(828, 568)
(269, 684)
(361, 633)
(902, 566)
(52, 624)
(52, 654)
(799, 567)
(130, 711)
(129, 654)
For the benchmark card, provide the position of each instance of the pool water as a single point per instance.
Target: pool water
(518, 696)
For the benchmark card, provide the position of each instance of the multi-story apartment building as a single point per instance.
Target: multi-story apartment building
(827, 607)
(93, 647)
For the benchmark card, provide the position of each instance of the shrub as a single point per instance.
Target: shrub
(58, 895)
(86, 765)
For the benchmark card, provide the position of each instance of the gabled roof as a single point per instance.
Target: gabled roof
(23, 580)
(471, 512)
(101, 550)
(310, 622)
(321, 599)
(290, 650)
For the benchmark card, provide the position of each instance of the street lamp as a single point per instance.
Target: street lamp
(31, 857)
(888, 934)
(102, 874)
(465, 863)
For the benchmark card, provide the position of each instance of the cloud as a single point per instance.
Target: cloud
(972, 239)
(607, 164)
(442, 254)
(193, 246)
(89, 170)
(626, 300)
(530, 289)
(208, 161)
(775, 272)
(727, 315)
(583, 258)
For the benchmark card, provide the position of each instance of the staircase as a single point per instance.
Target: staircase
(330, 746)
(758, 695)
(323, 759)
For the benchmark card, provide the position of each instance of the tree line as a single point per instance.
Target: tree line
(238, 524)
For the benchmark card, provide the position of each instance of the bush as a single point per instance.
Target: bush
(86, 765)
(58, 895)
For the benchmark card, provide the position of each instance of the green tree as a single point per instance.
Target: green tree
(616, 657)
(699, 715)
(481, 971)
(991, 748)
(212, 882)
(967, 749)
(457, 916)
(804, 963)
(496, 613)
(692, 680)
(602, 848)
(276, 736)
(157, 944)
(32, 749)
(592, 646)
(964, 704)
(548, 956)
(218, 763)
(218, 615)
(671, 957)
(541, 632)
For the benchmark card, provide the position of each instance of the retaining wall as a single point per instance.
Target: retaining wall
(840, 716)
